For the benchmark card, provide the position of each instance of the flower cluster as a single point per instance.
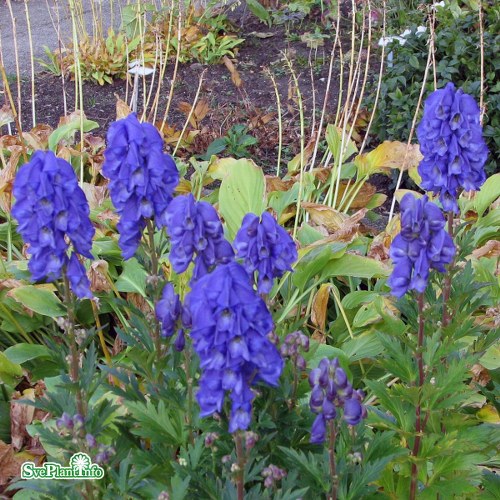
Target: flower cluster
(141, 177)
(170, 312)
(51, 210)
(452, 143)
(291, 347)
(422, 244)
(265, 247)
(331, 390)
(229, 327)
(272, 474)
(195, 228)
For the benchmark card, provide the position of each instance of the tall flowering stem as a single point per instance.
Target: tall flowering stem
(74, 362)
(154, 272)
(447, 279)
(419, 424)
(331, 459)
(240, 455)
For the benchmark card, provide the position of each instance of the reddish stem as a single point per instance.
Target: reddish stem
(419, 428)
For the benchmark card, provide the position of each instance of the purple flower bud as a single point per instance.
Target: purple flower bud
(65, 422)
(353, 411)
(250, 439)
(180, 341)
(300, 363)
(91, 441)
(168, 310)
(318, 430)
(211, 438)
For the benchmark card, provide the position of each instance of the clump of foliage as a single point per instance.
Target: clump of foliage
(457, 41)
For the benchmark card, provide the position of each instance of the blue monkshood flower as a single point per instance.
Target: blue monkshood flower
(52, 212)
(331, 390)
(168, 310)
(195, 229)
(230, 327)
(265, 247)
(142, 178)
(452, 144)
(423, 244)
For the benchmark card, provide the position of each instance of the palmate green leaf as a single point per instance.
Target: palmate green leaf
(39, 300)
(242, 191)
(180, 487)
(391, 401)
(309, 464)
(133, 278)
(158, 423)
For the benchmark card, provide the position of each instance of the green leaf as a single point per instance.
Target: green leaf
(242, 191)
(414, 62)
(333, 138)
(258, 10)
(20, 353)
(313, 262)
(9, 371)
(355, 266)
(180, 487)
(319, 351)
(489, 192)
(68, 130)
(39, 300)
(133, 278)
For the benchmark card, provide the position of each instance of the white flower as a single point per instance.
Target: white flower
(421, 30)
(438, 4)
(384, 41)
(406, 33)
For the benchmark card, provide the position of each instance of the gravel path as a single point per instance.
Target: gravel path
(43, 20)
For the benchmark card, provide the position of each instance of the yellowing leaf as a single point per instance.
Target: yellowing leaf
(122, 108)
(320, 306)
(388, 155)
(488, 413)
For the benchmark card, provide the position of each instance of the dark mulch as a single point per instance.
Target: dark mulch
(228, 104)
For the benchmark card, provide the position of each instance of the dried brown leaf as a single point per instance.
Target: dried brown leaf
(21, 415)
(490, 249)
(235, 76)
(480, 374)
(97, 275)
(320, 306)
(10, 465)
(122, 108)
(274, 183)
